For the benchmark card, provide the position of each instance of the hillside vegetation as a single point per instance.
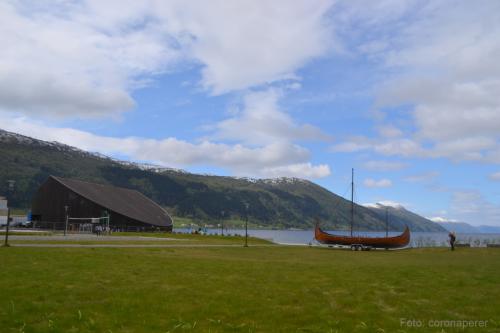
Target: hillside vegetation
(280, 203)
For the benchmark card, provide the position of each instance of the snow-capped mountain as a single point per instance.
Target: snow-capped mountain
(463, 227)
(398, 216)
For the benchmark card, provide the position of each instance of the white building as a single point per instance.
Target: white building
(3, 203)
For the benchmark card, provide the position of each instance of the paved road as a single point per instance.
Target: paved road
(135, 245)
(156, 242)
(89, 237)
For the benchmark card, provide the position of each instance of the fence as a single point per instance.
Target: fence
(85, 227)
(14, 220)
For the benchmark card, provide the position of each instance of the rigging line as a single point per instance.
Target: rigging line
(343, 197)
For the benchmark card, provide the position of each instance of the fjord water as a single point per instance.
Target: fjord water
(305, 237)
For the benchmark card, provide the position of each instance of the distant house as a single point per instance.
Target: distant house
(86, 202)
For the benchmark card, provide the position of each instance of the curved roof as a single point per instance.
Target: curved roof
(130, 203)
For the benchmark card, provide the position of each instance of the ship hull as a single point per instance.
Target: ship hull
(399, 241)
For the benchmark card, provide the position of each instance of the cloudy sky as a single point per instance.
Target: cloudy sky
(406, 92)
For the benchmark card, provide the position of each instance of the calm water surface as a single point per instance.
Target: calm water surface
(303, 237)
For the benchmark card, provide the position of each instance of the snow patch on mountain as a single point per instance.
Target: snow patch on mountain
(384, 204)
(440, 219)
(6, 136)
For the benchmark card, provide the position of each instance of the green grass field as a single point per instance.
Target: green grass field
(255, 289)
(144, 238)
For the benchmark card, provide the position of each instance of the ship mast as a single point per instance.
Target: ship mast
(352, 199)
(386, 221)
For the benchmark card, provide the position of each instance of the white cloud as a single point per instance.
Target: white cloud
(272, 160)
(388, 147)
(492, 156)
(352, 146)
(466, 148)
(57, 60)
(472, 207)
(389, 131)
(262, 121)
(448, 57)
(403, 147)
(495, 176)
(85, 58)
(423, 177)
(369, 182)
(384, 165)
(248, 43)
(460, 149)
(302, 170)
(441, 61)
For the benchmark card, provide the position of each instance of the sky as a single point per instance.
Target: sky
(405, 92)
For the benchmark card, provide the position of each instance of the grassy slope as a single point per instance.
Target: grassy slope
(398, 218)
(278, 289)
(200, 198)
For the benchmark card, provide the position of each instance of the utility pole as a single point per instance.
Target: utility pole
(246, 224)
(10, 188)
(352, 199)
(222, 222)
(386, 221)
(7, 228)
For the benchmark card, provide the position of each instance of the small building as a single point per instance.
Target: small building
(15, 220)
(87, 203)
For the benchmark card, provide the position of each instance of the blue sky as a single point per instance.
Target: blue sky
(405, 92)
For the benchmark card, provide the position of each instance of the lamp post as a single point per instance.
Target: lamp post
(386, 221)
(10, 188)
(246, 223)
(222, 222)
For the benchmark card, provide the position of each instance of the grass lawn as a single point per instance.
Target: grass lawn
(255, 289)
(154, 238)
(197, 237)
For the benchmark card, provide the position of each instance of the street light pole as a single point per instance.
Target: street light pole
(7, 228)
(10, 188)
(386, 221)
(222, 222)
(246, 224)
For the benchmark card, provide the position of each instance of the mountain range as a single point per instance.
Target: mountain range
(462, 227)
(397, 216)
(278, 203)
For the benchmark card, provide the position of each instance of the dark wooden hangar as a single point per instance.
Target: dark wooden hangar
(128, 209)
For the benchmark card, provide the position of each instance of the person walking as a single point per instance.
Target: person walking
(453, 238)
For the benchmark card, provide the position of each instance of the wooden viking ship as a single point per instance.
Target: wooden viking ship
(359, 242)
(375, 242)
